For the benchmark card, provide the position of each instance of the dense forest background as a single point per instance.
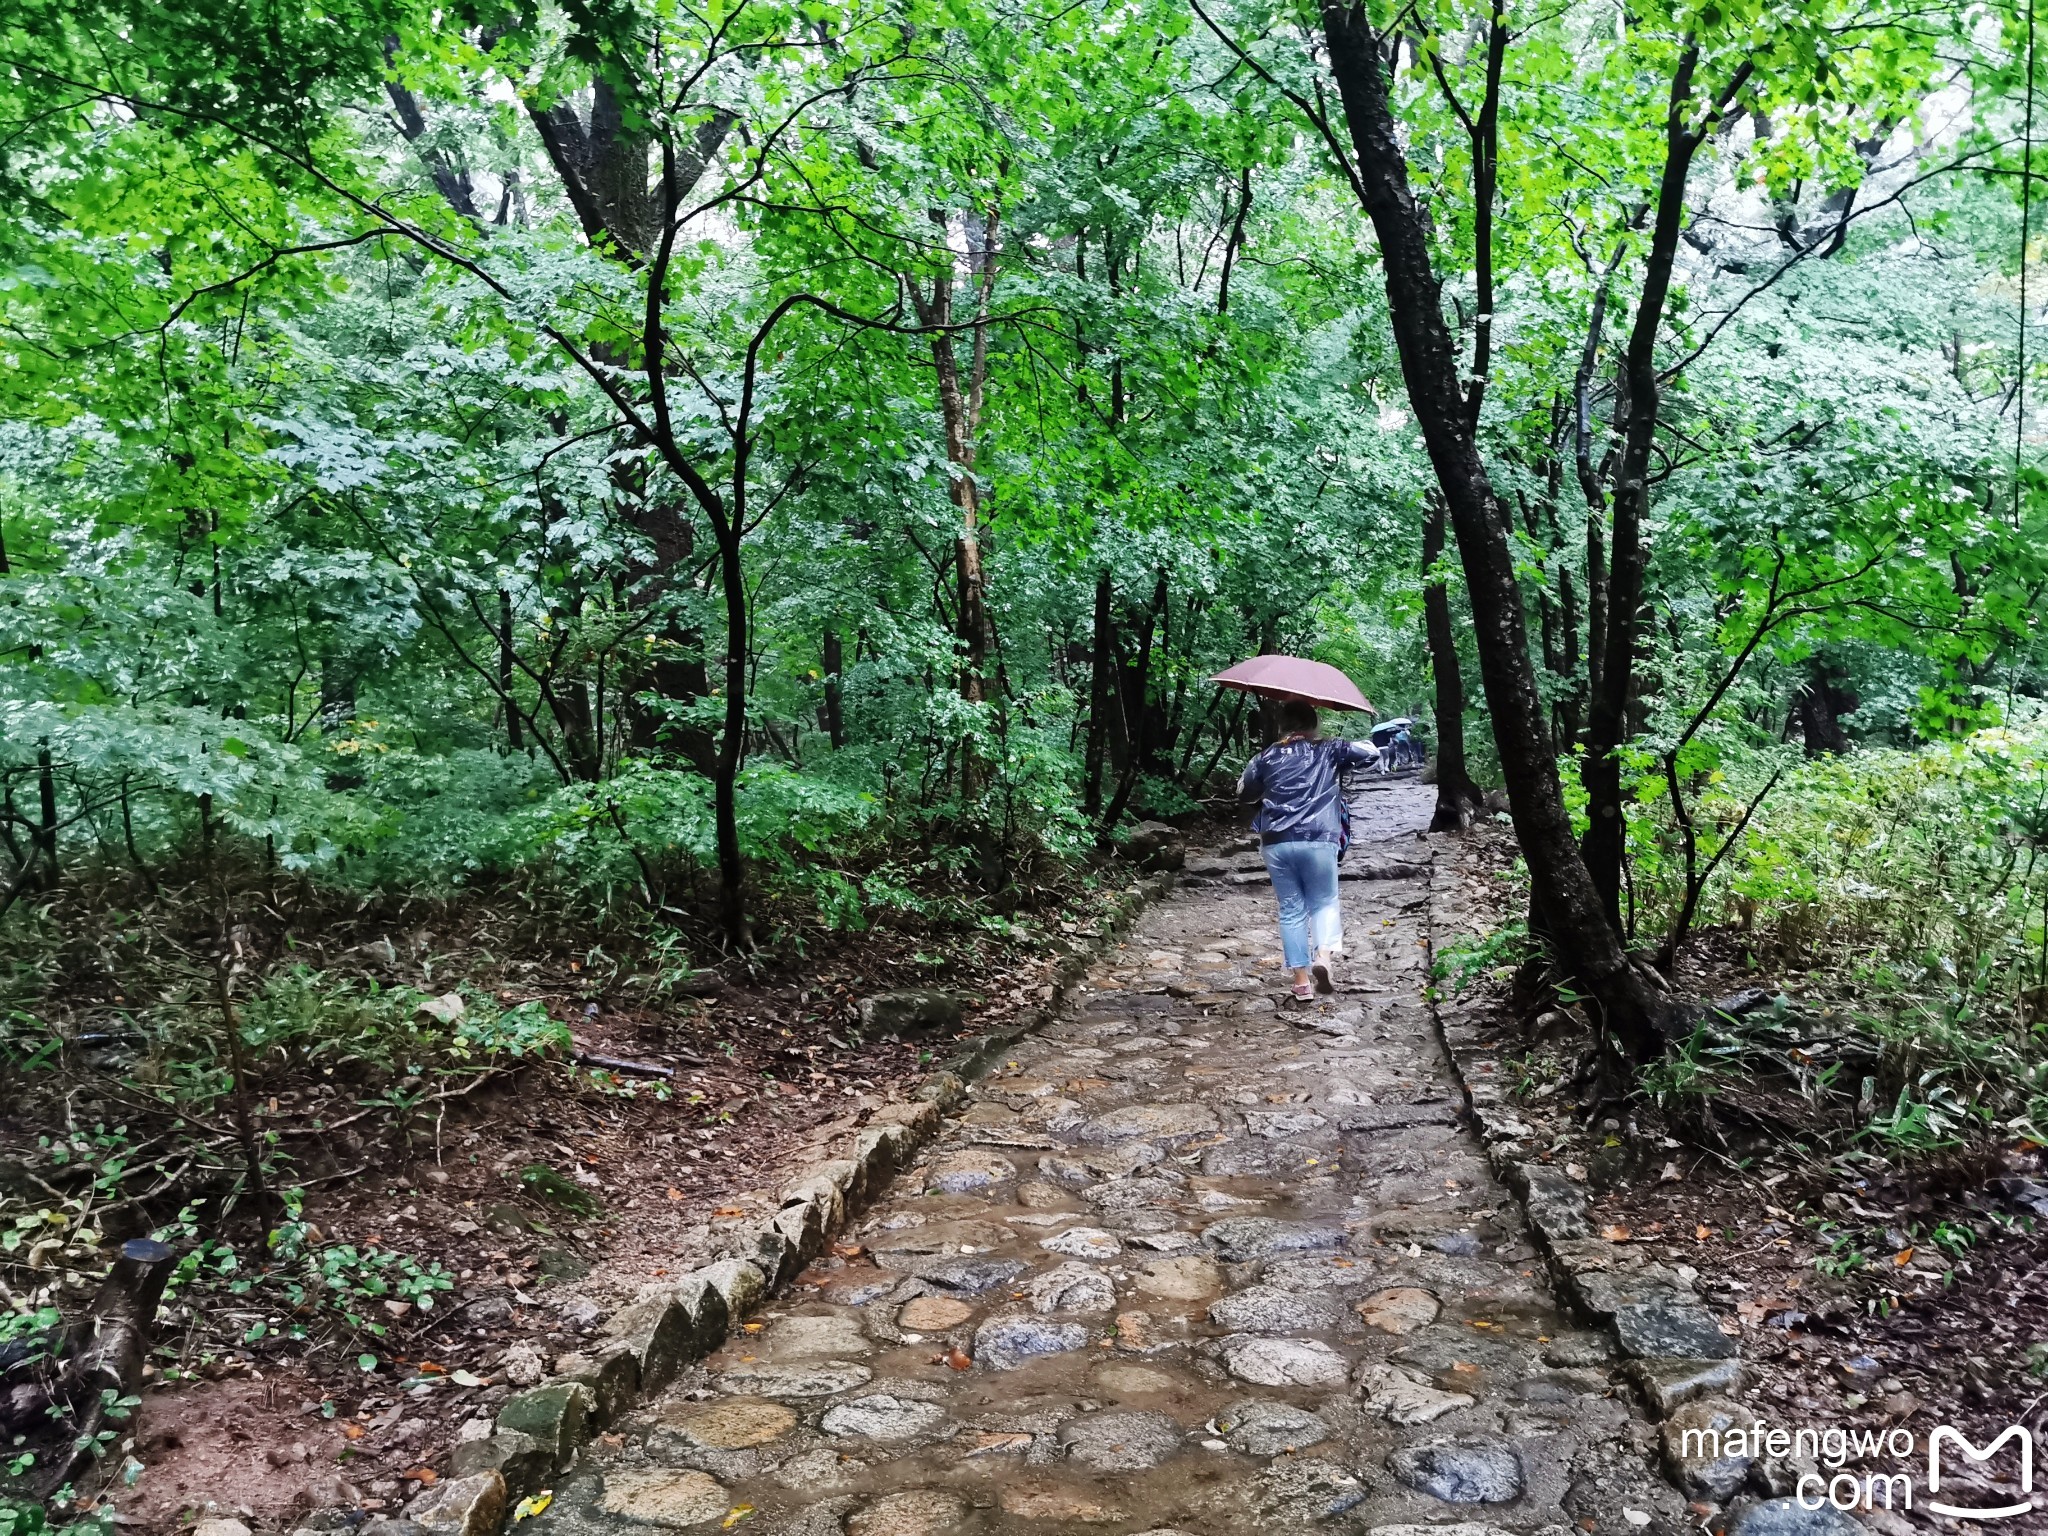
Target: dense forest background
(402, 489)
(701, 483)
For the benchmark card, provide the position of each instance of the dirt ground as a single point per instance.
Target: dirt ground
(242, 1420)
(1870, 1293)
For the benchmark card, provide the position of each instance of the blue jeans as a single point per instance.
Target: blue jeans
(1305, 885)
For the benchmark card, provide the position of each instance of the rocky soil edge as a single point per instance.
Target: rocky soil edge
(1687, 1370)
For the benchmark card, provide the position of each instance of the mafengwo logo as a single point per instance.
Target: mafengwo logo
(2001, 1492)
(1946, 1436)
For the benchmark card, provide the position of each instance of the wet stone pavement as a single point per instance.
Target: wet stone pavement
(1196, 1258)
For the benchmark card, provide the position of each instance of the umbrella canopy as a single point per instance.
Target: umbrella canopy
(1292, 677)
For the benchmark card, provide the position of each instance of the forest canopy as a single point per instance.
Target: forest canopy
(672, 458)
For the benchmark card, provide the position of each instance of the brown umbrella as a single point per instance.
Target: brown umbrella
(1292, 677)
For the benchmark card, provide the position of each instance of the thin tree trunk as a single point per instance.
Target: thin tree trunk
(1236, 240)
(835, 663)
(45, 850)
(1099, 685)
(514, 731)
(1141, 744)
(732, 744)
(960, 407)
(1629, 1001)
(128, 837)
(1608, 723)
(1455, 794)
(238, 1098)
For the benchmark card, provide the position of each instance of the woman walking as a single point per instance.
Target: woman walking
(1301, 824)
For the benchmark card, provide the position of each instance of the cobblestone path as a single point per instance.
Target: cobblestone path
(1195, 1258)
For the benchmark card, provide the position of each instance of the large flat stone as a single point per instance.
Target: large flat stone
(1084, 1243)
(933, 1314)
(1668, 1327)
(1305, 1491)
(1005, 1343)
(1400, 1309)
(826, 1336)
(1166, 1124)
(1788, 1517)
(1405, 1397)
(1283, 1362)
(882, 1416)
(1461, 1471)
(1121, 1442)
(1694, 1456)
(674, 1498)
(1185, 1278)
(794, 1383)
(1261, 1428)
(1239, 1239)
(970, 1173)
(1266, 1309)
(915, 1512)
(970, 1276)
(732, 1426)
(1071, 1288)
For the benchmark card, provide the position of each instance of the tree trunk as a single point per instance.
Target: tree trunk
(1455, 795)
(732, 744)
(45, 850)
(1630, 1003)
(1608, 714)
(960, 406)
(1134, 765)
(835, 665)
(514, 730)
(1819, 705)
(1100, 682)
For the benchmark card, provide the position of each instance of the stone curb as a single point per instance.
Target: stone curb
(1676, 1355)
(539, 1433)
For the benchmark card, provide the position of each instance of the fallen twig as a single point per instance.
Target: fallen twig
(618, 1064)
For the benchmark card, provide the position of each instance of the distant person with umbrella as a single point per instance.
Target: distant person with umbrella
(1301, 821)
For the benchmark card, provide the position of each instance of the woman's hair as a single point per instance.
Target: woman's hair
(1297, 717)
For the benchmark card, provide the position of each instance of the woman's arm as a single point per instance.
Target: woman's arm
(1251, 784)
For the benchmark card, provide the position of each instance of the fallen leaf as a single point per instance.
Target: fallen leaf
(848, 1250)
(958, 1359)
(352, 1431)
(428, 1368)
(753, 1327)
(1903, 1257)
(998, 1444)
(533, 1504)
(739, 1513)
(674, 1193)
(1702, 1232)
(730, 1210)
(426, 1477)
(1616, 1234)
(465, 1379)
